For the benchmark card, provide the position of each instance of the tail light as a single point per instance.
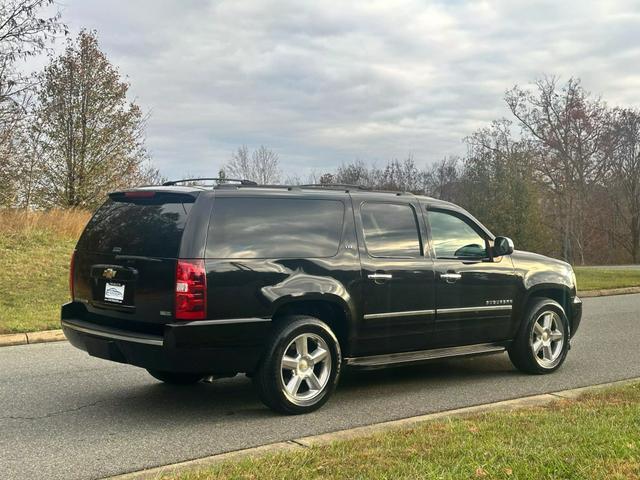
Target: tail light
(191, 290)
(72, 265)
(140, 194)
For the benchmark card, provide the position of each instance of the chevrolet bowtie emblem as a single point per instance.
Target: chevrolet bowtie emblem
(109, 273)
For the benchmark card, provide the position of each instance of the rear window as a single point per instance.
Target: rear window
(142, 226)
(274, 228)
(390, 230)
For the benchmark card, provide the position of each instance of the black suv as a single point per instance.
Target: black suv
(288, 284)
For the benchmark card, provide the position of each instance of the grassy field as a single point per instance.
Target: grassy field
(35, 250)
(603, 278)
(595, 437)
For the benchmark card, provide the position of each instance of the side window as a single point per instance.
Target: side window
(453, 237)
(243, 227)
(390, 230)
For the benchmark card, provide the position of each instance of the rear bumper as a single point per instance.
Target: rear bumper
(576, 314)
(208, 347)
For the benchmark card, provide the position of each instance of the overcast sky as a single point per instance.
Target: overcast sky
(324, 82)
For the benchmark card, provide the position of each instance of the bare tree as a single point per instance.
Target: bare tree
(90, 136)
(625, 176)
(442, 179)
(572, 133)
(354, 173)
(396, 175)
(402, 176)
(261, 166)
(23, 33)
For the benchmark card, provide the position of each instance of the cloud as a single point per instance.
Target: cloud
(327, 82)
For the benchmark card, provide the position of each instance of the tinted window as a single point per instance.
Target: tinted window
(150, 227)
(453, 237)
(390, 230)
(274, 228)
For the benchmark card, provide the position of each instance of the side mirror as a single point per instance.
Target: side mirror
(502, 246)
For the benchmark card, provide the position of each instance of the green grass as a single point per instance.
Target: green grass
(595, 437)
(604, 278)
(34, 279)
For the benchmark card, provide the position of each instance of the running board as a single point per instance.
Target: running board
(374, 361)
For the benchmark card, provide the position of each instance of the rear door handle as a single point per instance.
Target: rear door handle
(450, 277)
(380, 276)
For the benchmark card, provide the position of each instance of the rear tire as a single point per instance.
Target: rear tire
(542, 343)
(301, 366)
(176, 378)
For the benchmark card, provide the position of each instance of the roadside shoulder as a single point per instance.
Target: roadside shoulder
(192, 466)
(609, 292)
(31, 337)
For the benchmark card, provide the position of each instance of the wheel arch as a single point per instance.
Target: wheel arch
(558, 292)
(332, 310)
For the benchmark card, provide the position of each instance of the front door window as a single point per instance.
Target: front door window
(452, 237)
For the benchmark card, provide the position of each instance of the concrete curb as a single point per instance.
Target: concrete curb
(326, 438)
(607, 292)
(57, 335)
(31, 337)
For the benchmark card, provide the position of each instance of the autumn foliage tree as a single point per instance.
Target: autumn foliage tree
(89, 137)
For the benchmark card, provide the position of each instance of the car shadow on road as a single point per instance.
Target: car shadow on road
(234, 399)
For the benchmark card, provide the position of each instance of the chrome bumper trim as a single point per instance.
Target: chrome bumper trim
(415, 313)
(408, 313)
(487, 308)
(112, 334)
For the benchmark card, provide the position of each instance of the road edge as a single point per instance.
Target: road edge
(12, 339)
(351, 433)
(42, 336)
(609, 292)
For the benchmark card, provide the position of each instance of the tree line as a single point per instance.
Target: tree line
(560, 175)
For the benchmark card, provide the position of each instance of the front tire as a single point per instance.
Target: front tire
(176, 378)
(542, 343)
(301, 366)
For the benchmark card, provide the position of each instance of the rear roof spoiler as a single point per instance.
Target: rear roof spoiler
(151, 194)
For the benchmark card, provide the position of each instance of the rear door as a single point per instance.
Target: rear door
(397, 277)
(474, 292)
(265, 249)
(125, 260)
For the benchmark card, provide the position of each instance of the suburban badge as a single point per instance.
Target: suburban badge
(499, 302)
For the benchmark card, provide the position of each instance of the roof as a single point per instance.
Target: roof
(329, 190)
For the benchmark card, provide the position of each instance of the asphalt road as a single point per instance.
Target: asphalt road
(67, 415)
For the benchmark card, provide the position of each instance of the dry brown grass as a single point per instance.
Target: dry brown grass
(35, 248)
(65, 223)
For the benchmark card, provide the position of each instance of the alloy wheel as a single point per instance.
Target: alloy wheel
(547, 339)
(305, 368)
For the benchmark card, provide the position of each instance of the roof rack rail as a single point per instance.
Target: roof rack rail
(333, 185)
(256, 185)
(215, 179)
